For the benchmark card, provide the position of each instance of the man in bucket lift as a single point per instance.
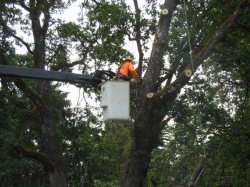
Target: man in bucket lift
(125, 69)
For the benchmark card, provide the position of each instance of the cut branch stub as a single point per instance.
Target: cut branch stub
(164, 11)
(188, 72)
(150, 95)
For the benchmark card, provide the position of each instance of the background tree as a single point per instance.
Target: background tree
(44, 101)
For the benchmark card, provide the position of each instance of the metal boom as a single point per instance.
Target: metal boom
(73, 78)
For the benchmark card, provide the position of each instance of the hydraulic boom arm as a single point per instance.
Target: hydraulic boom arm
(94, 79)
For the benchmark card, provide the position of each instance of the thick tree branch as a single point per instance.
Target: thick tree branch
(138, 36)
(11, 33)
(28, 92)
(219, 34)
(60, 66)
(159, 46)
(98, 3)
(22, 85)
(23, 42)
(199, 58)
(68, 65)
(23, 5)
(47, 163)
(46, 19)
(197, 171)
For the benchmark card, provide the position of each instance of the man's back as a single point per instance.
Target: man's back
(126, 68)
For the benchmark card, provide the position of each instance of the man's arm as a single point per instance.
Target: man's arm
(132, 70)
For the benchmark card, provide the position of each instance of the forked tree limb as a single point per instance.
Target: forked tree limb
(198, 58)
(42, 158)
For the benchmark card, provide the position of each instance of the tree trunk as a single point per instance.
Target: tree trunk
(145, 138)
(197, 171)
(52, 149)
(50, 142)
(149, 116)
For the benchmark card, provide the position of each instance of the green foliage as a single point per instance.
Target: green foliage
(70, 30)
(16, 130)
(110, 21)
(204, 127)
(211, 117)
(95, 156)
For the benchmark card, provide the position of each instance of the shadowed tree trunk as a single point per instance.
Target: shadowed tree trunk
(50, 142)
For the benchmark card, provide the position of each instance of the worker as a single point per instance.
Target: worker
(125, 69)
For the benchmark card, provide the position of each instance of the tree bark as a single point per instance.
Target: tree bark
(197, 171)
(147, 125)
(49, 140)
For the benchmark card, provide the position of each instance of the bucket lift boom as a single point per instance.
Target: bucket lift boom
(94, 79)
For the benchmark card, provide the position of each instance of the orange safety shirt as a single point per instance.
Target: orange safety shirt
(126, 68)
